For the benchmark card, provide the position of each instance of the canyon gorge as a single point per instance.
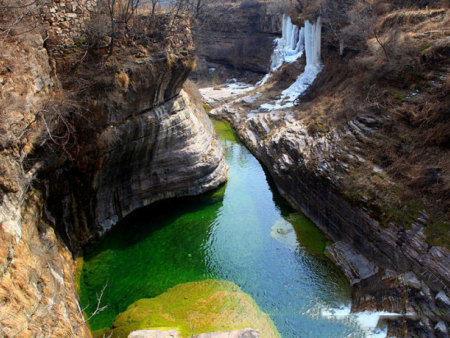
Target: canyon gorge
(248, 168)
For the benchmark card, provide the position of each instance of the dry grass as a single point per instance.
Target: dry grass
(410, 18)
(408, 96)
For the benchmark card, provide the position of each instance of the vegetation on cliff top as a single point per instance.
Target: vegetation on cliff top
(392, 79)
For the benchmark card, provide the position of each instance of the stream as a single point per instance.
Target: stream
(242, 232)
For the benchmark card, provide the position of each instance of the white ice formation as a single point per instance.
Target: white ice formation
(289, 48)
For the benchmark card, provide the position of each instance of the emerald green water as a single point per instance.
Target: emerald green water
(242, 232)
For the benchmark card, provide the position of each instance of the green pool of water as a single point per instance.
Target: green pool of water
(242, 232)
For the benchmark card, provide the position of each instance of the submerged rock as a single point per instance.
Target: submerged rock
(196, 307)
(284, 232)
(245, 333)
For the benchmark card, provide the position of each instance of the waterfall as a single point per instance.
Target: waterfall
(288, 48)
(310, 38)
(313, 63)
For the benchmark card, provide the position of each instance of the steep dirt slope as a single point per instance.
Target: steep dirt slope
(37, 292)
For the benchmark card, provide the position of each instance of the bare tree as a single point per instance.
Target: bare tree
(110, 8)
(105, 20)
(179, 7)
(154, 3)
(362, 24)
(198, 6)
(126, 9)
(192, 8)
(19, 16)
(98, 309)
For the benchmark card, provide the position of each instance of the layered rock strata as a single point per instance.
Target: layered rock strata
(308, 170)
(152, 143)
(133, 138)
(334, 157)
(169, 151)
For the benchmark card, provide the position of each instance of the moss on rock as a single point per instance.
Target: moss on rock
(225, 130)
(194, 308)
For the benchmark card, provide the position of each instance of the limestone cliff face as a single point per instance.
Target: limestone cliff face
(336, 156)
(308, 169)
(70, 170)
(151, 142)
(168, 151)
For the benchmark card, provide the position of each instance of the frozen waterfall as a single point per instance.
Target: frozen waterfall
(313, 62)
(312, 41)
(311, 38)
(288, 48)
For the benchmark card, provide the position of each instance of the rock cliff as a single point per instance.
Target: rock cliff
(38, 295)
(83, 145)
(169, 151)
(236, 39)
(153, 143)
(140, 137)
(308, 172)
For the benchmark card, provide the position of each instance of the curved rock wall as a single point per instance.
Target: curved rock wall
(169, 151)
(141, 139)
(151, 142)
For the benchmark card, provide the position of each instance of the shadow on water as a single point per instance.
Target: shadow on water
(141, 223)
(151, 250)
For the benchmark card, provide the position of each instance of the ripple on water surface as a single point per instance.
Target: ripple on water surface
(242, 232)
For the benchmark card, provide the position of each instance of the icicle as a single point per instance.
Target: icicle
(312, 42)
(288, 48)
(300, 42)
(310, 37)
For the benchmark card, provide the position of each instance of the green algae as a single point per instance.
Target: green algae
(194, 308)
(207, 107)
(309, 236)
(78, 272)
(224, 130)
(141, 260)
